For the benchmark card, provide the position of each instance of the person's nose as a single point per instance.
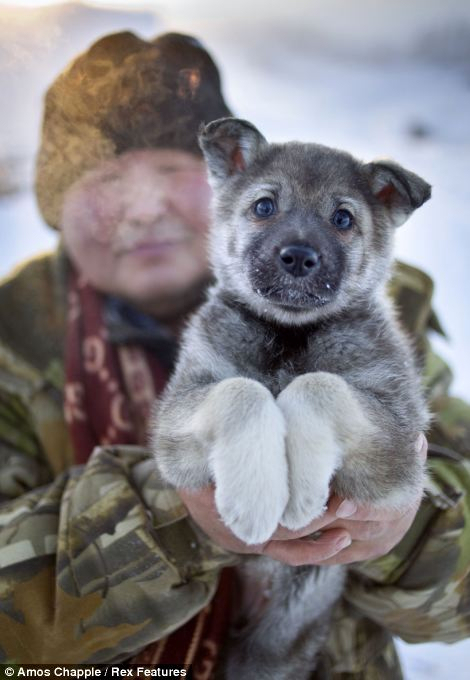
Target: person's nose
(146, 205)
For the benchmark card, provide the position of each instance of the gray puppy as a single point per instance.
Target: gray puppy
(294, 379)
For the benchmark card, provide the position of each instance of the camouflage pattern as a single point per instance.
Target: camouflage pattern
(97, 561)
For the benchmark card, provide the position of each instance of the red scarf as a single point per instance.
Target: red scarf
(109, 391)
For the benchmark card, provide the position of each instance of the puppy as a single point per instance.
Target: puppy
(294, 379)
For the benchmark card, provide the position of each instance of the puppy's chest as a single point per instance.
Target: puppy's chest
(277, 356)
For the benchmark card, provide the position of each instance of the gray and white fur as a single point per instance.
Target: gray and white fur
(294, 379)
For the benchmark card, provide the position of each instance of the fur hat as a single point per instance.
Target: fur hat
(123, 93)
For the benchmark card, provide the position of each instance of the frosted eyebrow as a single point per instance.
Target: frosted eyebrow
(347, 201)
(264, 188)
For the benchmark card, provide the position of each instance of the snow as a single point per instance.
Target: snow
(375, 78)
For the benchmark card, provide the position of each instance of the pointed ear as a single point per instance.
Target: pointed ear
(398, 190)
(229, 146)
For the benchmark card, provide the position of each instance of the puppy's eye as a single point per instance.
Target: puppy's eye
(265, 207)
(342, 219)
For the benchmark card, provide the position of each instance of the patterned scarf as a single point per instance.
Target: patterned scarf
(110, 388)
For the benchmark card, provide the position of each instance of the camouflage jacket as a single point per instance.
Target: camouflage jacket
(97, 561)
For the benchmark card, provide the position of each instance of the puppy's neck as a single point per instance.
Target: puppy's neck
(361, 309)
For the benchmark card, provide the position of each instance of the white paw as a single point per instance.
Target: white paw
(255, 513)
(251, 473)
(313, 455)
(311, 469)
(306, 503)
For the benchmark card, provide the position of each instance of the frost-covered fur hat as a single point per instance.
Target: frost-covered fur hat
(123, 93)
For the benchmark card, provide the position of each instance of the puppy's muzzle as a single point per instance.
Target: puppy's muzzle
(299, 260)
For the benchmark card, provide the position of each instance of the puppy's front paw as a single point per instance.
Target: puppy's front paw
(313, 452)
(306, 503)
(313, 457)
(248, 460)
(253, 513)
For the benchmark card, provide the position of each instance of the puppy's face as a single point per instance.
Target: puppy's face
(301, 231)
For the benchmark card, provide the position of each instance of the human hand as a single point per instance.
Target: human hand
(290, 547)
(365, 533)
(374, 532)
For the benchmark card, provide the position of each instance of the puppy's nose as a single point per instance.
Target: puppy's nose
(299, 260)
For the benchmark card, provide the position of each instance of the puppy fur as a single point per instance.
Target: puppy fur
(294, 379)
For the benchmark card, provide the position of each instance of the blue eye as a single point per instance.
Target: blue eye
(265, 207)
(342, 219)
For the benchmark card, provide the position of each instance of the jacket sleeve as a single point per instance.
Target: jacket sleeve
(98, 563)
(420, 591)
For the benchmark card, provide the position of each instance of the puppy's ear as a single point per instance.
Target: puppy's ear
(398, 190)
(229, 145)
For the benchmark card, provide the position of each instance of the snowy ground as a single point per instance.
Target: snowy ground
(376, 78)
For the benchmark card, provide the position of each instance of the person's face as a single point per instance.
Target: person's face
(136, 226)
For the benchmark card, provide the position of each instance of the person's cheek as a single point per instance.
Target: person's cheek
(192, 196)
(86, 237)
(94, 209)
(103, 214)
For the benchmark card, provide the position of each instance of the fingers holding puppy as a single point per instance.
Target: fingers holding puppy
(292, 548)
(345, 533)
(374, 531)
(370, 539)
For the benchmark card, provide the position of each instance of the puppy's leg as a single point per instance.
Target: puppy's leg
(283, 641)
(324, 421)
(233, 434)
(245, 432)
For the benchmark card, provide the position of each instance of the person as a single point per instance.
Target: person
(99, 561)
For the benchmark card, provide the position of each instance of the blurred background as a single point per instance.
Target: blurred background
(376, 78)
